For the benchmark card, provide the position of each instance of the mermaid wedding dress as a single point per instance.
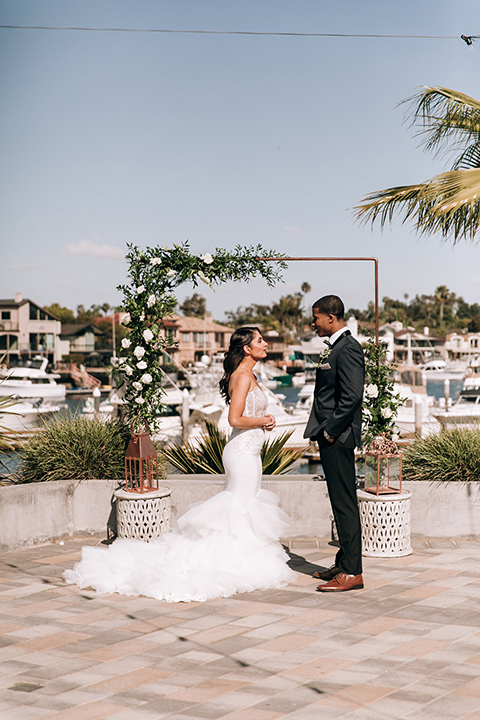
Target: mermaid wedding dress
(226, 545)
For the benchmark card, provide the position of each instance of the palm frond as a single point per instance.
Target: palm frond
(469, 159)
(448, 204)
(446, 115)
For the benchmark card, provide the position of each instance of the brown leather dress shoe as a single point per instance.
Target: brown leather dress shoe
(327, 574)
(342, 582)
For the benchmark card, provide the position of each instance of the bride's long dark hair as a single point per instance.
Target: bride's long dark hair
(241, 337)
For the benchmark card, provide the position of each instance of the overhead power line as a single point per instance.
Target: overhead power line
(467, 38)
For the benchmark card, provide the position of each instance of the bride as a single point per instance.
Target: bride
(228, 544)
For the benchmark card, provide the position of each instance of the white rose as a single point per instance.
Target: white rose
(139, 400)
(171, 273)
(151, 301)
(203, 278)
(367, 413)
(371, 391)
(147, 336)
(386, 413)
(126, 343)
(395, 437)
(142, 317)
(146, 379)
(140, 289)
(126, 319)
(207, 258)
(142, 365)
(155, 261)
(139, 352)
(137, 385)
(128, 370)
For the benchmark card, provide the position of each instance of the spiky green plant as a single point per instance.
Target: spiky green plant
(453, 455)
(205, 455)
(72, 447)
(6, 405)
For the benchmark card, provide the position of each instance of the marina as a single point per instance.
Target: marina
(290, 404)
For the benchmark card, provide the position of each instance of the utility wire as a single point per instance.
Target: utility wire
(468, 38)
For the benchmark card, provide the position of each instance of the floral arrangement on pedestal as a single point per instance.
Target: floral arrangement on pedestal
(380, 401)
(153, 275)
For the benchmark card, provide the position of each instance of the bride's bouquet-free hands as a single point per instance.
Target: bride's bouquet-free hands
(271, 422)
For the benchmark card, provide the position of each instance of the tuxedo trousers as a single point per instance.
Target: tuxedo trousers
(338, 462)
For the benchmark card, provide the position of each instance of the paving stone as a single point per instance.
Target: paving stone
(413, 633)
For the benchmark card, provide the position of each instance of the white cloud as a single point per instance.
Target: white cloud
(294, 230)
(93, 247)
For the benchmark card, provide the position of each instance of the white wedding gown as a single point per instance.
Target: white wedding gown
(228, 544)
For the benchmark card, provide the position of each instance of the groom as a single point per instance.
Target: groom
(335, 423)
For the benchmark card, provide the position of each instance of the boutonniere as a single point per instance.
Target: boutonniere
(324, 356)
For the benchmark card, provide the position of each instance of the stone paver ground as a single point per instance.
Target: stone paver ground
(407, 646)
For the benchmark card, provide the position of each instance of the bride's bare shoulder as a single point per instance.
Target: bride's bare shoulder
(240, 381)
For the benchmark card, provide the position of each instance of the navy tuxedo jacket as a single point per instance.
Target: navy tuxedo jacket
(337, 398)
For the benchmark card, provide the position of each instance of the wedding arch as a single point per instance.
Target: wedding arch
(153, 275)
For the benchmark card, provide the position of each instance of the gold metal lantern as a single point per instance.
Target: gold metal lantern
(383, 473)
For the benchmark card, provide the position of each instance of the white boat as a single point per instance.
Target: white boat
(31, 381)
(439, 369)
(465, 411)
(471, 380)
(24, 415)
(410, 385)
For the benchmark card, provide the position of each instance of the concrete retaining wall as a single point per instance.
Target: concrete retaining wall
(41, 512)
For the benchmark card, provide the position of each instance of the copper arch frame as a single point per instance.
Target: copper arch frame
(336, 259)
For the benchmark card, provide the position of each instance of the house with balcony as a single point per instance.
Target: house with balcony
(194, 337)
(462, 346)
(79, 340)
(27, 329)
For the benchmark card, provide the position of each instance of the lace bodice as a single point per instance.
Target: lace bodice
(250, 440)
(256, 403)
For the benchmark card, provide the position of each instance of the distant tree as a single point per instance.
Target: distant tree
(474, 324)
(65, 315)
(86, 316)
(394, 310)
(288, 311)
(255, 314)
(195, 306)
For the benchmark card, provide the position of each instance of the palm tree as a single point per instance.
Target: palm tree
(449, 203)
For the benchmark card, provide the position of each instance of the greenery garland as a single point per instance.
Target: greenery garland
(153, 275)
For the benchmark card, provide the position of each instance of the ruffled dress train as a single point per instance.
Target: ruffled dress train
(226, 545)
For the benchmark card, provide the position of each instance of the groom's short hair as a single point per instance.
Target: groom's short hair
(330, 305)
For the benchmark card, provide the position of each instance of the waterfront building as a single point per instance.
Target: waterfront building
(194, 337)
(27, 329)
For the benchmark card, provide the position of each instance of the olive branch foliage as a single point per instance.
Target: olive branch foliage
(380, 401)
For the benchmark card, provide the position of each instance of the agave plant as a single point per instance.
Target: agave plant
(205, 456)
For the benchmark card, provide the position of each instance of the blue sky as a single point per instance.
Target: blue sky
(109, 138)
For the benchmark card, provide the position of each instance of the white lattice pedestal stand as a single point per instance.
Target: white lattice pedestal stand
(143, 516)
(385, 524)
